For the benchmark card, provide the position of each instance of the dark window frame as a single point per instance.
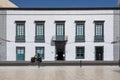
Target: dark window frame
(16, 52)
(43, 50)
(83, 53)
(76, 38)
(16, 38)
(102, 36)
(60, 22)
(37, 40)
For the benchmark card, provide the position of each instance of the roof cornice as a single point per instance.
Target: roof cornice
(96, 8)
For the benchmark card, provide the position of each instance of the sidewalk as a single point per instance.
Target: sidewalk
(59, 73)
(60, 63)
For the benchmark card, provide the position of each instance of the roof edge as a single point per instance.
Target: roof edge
(95, 8)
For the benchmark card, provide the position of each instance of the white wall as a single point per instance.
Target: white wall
(116, 34)
(50, 17)
(2, 36)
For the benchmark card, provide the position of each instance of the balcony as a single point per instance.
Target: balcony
(99, 38)
(79, 38)
(20, 38)
(39, 38)
(60, 38)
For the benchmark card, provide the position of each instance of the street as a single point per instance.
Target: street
(59, 73)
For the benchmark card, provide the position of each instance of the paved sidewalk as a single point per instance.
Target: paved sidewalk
(59, 73)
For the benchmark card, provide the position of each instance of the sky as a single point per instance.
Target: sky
(64, 3)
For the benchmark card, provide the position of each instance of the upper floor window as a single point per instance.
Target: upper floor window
(80, 31)
(20, 31)
(60, 30)
(99, 31)
(39, 31)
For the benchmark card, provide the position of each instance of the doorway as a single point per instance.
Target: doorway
(60, 55)
(99, 53)
(60, 51)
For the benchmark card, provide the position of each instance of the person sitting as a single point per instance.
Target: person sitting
(39, 58)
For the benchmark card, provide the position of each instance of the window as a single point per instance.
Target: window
(60, 30)
(80, 52)
(40, 51)
(39, 35)
(80, 31)
(20, 53)
(20, 31)
(99, 31)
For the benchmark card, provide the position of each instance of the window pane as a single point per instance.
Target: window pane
(20, 29)
(80, 29)
(99, 33)
(39, 29)
(99, 29)
(39, 36)
(80, 36)
(80, 52)
(40, 50)
(60, 29)
(20, 50)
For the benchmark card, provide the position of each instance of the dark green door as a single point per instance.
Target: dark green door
(20, 53)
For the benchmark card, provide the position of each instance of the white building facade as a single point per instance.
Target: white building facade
(68, 34)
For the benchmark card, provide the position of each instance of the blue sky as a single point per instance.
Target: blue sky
(65, 3)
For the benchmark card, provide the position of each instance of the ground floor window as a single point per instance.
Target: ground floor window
(80, 52)
(40, 52)
(20, 53)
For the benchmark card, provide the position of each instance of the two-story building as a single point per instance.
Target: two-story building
(69, 34)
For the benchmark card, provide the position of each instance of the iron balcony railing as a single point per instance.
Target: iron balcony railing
(39, 38)
(60, 38)
(20, 38)
(80, 38)
(99, 38)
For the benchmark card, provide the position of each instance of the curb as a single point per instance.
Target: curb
(60, 63)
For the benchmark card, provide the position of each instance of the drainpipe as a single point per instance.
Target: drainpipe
(119, 33)
(119, 29)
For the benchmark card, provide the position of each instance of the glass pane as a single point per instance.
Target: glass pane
(40, 50)
(60, 29)
(80, 52)
(20, 50)
(37, 50)
(80, 29)
(20, 29)
(99, 29)
(40, 29)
